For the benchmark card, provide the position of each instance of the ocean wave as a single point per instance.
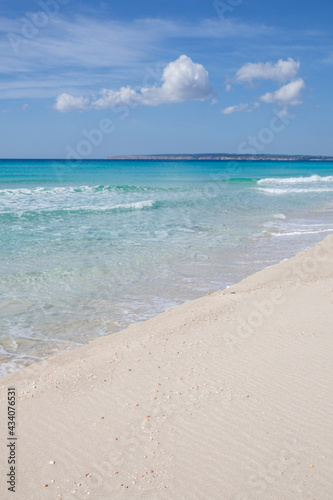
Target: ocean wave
(295, 180)
(136, 205)
(279, 216)
(295, 190)
(296, 233)
(80, 189)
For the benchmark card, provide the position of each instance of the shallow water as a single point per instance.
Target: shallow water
(90, 247)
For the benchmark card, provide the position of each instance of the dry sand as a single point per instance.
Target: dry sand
(225, 397)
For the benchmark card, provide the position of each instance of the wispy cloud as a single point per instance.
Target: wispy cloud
(234, 109)
(182, 80)
(100, 49)
(328, 59)
(240, 107)
(98, 43)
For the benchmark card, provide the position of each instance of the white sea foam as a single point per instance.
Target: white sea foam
(296, 233)
(296, 180)
(295, 190)
(137, 205)
(48, 191)
(280, 216)
(56, 189)
(10, 367)
(71, 199)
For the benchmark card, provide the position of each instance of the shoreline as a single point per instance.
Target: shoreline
(239, 279)
(226, 393)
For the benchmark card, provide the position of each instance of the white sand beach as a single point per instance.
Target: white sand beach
(228, 397)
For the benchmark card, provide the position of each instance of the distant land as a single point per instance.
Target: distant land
(223, 157)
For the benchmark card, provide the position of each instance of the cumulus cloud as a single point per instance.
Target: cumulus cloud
(234, 109)
(287, 95)
(112, 98)
(181, 80)
(281, 71)
(67, 102)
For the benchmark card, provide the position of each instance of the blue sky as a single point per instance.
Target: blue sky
(90, 79)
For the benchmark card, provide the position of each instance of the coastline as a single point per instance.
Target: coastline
(220, 157)
(228, 394)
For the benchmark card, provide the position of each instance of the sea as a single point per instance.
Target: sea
(90, 247)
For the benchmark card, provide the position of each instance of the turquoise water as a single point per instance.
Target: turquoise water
(90, 247)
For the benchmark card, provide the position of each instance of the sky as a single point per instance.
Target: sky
(90, 79)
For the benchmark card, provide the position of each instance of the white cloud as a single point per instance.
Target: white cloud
(181, 80)
(287, 95)
(234, 109)
(254, 106)
(281, 71)
(67, 102)
(113, 98)
(240, 107)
